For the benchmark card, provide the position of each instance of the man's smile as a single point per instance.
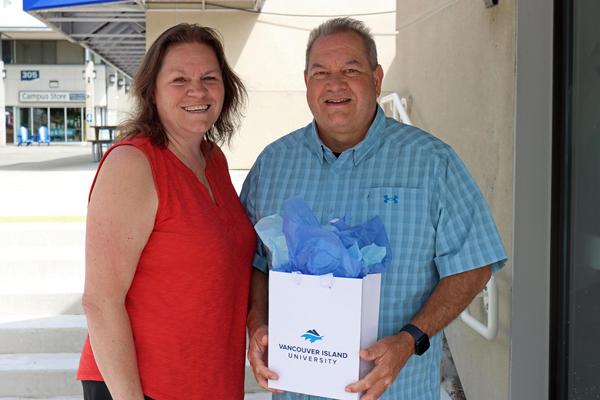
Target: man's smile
(341, 100)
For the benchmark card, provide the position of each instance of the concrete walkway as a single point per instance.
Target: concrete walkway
(45, 181)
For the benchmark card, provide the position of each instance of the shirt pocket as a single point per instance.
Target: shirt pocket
(404, 213)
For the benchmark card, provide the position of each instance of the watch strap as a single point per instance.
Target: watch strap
(421, 338)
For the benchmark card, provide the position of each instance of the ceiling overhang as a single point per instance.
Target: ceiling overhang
(116, 30)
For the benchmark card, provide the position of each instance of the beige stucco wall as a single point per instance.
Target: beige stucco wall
(267, 51)
(456, 59)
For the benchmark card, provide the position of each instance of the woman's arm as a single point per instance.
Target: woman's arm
(120, 218)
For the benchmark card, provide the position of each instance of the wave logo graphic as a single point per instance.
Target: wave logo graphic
(312, 336)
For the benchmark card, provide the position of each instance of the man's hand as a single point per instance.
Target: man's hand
(389, 355)
(257, 355)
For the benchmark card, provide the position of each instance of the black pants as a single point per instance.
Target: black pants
(93, 390)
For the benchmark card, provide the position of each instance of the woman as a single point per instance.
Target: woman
(168, 246)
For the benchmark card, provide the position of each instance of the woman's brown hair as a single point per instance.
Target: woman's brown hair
(145, 120)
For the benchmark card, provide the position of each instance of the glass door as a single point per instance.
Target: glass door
(24, 122)
(57, 124)
(40, 118)
(576, 220)
(74, 124)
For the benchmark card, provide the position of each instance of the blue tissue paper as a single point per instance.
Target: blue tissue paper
(338, 248)
(270, 231)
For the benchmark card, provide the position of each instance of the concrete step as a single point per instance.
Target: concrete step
(39, 334)
(78, 397)
(250, 385)
(36, 235)
(39, 375)
(50, 303)
(255, 396)
(43, 375)
(47, 275)
(248, 396)
(31, 256)
(50, 275)
(41, 258)
(64, 192)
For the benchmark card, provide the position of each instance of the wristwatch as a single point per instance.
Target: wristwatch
(421, 338)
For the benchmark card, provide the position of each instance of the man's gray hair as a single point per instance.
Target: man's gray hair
(344, 24)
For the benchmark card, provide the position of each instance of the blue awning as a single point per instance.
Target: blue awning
(32, 5)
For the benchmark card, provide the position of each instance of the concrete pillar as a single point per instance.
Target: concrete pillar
(90, 100)
(112, 98)
(2, 107)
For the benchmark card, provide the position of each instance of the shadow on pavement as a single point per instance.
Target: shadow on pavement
(71, 163)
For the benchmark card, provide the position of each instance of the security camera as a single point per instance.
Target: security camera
(490, 3)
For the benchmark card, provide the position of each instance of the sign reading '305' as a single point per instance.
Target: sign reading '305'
(29, 75)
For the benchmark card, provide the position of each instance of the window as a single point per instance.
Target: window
(36, 52)
(69, 53)
(8, 51)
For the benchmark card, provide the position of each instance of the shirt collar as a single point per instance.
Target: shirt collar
(359, 152)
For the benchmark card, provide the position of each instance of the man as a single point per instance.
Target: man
(354, 161)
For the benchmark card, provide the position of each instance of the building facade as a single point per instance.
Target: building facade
(47, 83)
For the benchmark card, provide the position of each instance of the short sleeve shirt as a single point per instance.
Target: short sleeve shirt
(434, 214)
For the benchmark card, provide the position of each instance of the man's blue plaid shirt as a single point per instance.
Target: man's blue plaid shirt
(435, 216)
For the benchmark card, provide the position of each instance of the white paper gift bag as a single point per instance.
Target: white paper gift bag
(317, 327)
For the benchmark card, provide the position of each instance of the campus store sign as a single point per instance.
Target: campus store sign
(51, 97)
(33, 5)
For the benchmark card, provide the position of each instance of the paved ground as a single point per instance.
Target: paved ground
(50, 183)
(53, 157)
(44, 181)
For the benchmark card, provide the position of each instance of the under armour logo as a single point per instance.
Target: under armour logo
(390, 199)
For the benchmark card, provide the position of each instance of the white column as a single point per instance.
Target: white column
(112, 99)
(90, 100)
(2, 107)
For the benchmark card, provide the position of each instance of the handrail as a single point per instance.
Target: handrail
(490, 302)
(490, 292)
(399, 106)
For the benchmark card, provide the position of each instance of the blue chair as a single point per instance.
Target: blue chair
(24, 137)
(43, 136)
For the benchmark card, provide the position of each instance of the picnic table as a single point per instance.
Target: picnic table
(104, 136)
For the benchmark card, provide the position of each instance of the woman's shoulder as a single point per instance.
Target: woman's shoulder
(125, 169)
(125, 159)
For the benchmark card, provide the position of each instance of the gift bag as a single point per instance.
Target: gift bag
(317, 327)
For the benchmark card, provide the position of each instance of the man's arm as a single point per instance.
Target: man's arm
(449, 298)
(258, 329)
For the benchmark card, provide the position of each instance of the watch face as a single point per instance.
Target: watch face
(421, 345)
(421, 338)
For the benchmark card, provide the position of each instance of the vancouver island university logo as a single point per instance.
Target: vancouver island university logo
(311, 354)
(312, 336)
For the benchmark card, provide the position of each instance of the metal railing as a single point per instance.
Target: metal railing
(396, 107)
(490, 303)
